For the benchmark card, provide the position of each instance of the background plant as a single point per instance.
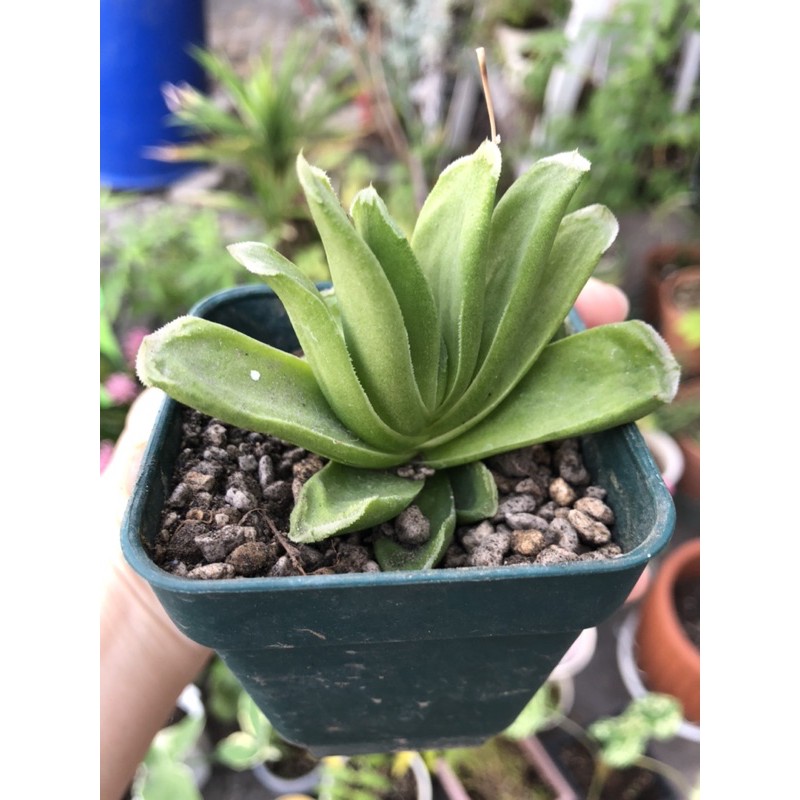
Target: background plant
(153, 267)
(175, 764)
(621, 742)
(644, 145)
(407, 58)
(363, 777)
(255, 124)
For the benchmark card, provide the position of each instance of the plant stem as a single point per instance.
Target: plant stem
(372, 76)
(481, 52)
(669, 772)
(598, 781)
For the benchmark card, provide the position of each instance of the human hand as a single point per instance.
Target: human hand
(600, 303)
(145, 661)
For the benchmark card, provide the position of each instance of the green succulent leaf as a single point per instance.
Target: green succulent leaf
(474, 492)
(583, 383)
(371, 317)
(174, 742)
(168, 780)
(450, 241)
(546, 289)
(242, 751)
(524, 227)
(340, 499)
(411, 288)
(252, 719)
(436, 503)
(323, 345)
(243, 382)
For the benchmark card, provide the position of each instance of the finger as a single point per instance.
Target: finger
(601, 303)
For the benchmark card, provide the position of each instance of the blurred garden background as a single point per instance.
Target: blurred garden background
(197, 151)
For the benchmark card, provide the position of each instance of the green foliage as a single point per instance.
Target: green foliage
(283, 105)
(166, 772)
(527, 13)
(157, 264)
(682, 416)
(542, 709)
(436, 350)
(223, 690)
(362, 777)
(255, 742)
(623, 739)
(645, 152)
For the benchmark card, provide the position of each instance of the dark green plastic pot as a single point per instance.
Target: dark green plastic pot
(402, 660)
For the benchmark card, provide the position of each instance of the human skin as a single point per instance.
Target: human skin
(145, 661)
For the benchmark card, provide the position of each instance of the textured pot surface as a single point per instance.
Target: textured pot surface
(665, 654)
(372, 662)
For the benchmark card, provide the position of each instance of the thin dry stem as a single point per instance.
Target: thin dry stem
(481, 53)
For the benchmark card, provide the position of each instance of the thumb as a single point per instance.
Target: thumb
(600, 303)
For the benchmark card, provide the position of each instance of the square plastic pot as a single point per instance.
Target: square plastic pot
(343, 664)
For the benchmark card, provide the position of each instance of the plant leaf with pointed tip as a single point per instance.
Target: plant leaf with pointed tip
(371, 318)
(534, 313)
(449, 241)
(586, 382)
(322, 343)
(411, 288)
(474, 492)
(243, 382)
(436, 503)
(340, 499)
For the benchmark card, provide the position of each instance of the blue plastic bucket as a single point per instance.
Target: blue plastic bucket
(143, 44)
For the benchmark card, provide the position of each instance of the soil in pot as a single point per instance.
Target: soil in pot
(498, 770)
(578, 765)
(233, 491)
(687, 606)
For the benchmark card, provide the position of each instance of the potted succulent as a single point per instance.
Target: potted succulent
(376, 776)
(513, 764)
(277, 765)
(429, 357)
(609, 759)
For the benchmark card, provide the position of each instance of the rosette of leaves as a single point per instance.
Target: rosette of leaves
(624, 739)
(436, 351)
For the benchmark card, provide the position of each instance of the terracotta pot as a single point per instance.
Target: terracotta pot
(679, 295)
(690, 483)
(660, 262)
(668, 659)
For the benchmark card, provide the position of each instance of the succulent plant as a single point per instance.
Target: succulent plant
(426, 356)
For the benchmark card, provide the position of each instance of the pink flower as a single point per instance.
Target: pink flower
(131, 342)
(121, 388)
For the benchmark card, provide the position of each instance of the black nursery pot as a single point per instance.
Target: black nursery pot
(373, 662)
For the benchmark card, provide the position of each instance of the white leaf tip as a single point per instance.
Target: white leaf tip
(572, 159)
